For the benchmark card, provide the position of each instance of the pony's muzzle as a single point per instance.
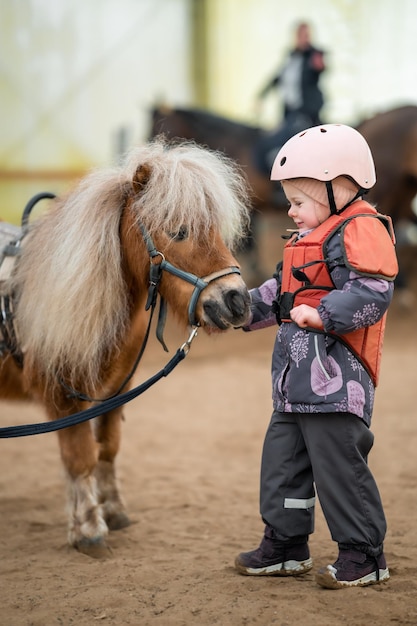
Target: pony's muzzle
(237, 302)
(226, 308)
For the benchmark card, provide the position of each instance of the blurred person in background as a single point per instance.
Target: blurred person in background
(298, 82)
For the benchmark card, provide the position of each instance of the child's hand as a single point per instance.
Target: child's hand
(304, 315)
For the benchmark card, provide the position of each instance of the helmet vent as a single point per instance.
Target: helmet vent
(323, 130)
(283, 160)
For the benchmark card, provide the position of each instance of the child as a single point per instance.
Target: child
(330, 296)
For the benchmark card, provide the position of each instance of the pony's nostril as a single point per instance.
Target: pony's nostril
(236, 302)
(213, 311)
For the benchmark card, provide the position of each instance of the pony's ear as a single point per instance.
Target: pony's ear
(141, 177)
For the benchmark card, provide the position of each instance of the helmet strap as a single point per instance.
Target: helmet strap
(330, 195)
(333, 209)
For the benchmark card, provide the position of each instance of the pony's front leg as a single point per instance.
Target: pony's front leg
(87, 527)
(108, 435)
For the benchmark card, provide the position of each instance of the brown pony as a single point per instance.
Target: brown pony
(80, 286)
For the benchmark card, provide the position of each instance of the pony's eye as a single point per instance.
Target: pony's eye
(181, 234)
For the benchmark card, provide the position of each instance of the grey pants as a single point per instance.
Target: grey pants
(328, 451)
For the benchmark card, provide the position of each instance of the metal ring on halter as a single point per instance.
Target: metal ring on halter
(155, 254)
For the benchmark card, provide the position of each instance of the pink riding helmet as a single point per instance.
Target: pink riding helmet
(325, 152)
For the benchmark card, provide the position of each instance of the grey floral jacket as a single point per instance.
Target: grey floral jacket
(313, 372)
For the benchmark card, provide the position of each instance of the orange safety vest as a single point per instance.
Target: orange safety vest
(367, 242)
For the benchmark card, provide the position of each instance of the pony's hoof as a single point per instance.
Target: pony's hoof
(95, 548)
(116, 521)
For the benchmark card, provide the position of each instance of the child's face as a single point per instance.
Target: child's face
(306, 212)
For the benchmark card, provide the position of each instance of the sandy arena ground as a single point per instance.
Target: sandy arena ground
(189, 471)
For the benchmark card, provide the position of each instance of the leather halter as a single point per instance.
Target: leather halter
(155, 274)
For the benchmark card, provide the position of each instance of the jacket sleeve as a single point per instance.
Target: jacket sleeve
(357, 301)
(261, 305)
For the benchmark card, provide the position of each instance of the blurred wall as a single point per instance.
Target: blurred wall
(371, 51)
(78, 77)
(77, 81)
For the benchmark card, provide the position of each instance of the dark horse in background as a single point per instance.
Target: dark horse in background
(392, 136)
(234, 139)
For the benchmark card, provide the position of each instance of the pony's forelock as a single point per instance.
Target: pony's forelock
(191, 186)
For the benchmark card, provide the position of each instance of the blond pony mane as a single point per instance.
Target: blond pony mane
(72, 304)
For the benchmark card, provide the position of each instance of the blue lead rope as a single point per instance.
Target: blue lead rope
(25, 430)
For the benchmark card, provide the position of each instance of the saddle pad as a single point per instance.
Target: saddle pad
(8, 233)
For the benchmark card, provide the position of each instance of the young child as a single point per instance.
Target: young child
(329, 296)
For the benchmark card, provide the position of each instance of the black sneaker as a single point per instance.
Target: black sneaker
(353, 569)
(275, 558)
